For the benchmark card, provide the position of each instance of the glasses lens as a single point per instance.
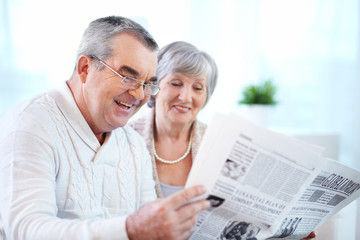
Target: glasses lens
(130, 83)
(148, 89)
(154, 89)
(151, 89)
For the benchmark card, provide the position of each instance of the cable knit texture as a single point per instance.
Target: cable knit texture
(58, 182)
(145, 127)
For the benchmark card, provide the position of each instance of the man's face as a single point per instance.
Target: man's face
(108, 105)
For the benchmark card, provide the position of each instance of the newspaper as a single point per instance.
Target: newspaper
(265, 185)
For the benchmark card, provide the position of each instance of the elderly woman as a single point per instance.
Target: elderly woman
(187, 78)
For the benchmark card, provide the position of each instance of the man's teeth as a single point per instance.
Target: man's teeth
(123, 103)
(182, 108)
(126, 104)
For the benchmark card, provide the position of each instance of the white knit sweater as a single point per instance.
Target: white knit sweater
(58, 182)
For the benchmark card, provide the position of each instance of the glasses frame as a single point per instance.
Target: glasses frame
(154, 88)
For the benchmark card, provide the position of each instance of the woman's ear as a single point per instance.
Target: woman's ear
(83, 66)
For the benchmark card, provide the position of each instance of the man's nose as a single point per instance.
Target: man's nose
(138, 93)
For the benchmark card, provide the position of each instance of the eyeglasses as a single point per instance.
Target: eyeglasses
(132, 83)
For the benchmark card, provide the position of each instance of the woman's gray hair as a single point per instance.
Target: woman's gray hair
(98, 35)
(182, 57)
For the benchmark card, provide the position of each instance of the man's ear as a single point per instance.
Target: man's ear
(83, 66)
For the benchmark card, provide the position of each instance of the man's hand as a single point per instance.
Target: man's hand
(312, 235)
(167, 218)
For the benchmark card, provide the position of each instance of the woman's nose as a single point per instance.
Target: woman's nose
(185, 94)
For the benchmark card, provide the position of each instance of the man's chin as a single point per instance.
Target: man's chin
(122, 123)
(117, 123)
(120, 119)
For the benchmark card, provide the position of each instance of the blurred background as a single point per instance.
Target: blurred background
(309, 48)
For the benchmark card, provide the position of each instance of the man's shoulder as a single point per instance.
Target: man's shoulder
(36, 106)
(132, 135)
(35, 116)
(135, 141)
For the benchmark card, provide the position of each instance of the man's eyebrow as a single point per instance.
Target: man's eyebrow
(134, 73)
(153, 79)
(129, 70)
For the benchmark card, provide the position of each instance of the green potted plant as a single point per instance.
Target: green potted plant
(256, 101)
(263, 93)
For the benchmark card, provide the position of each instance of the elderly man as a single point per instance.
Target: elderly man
(71, 169)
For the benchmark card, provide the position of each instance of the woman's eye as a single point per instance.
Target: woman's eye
(176, 84)
(198, 88)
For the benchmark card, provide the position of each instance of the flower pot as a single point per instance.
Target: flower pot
(256, 113)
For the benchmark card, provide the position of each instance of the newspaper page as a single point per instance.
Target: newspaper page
(333, 188)
(254, 179)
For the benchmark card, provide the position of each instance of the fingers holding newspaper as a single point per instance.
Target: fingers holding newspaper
(168, 218)
(312, 235)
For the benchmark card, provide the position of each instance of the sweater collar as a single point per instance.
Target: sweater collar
(67, 105)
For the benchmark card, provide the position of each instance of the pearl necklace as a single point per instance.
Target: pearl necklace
(171, 161)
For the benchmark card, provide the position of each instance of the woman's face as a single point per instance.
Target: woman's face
(181, 98)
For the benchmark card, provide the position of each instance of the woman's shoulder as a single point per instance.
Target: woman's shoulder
(138, 124)
(198, 132)
(144, 126)
(142, 123)
(200, 128)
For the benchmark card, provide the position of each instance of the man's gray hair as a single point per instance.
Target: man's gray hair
(182, 57)
(97, 37)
